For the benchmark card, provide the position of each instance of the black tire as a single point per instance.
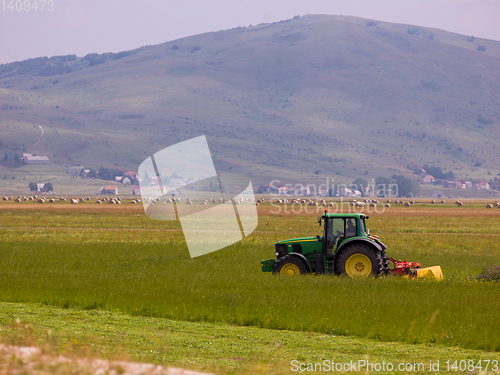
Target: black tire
(359, 260)
(290, 265)
(385, 263)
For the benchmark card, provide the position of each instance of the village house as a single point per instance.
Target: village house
(75, 169)
(483, 185)
(368, 192)
(110, 189)
(428, 180)
(344, 192)
(30, 159)
(283, 190)
(449, 184)
(127, 180)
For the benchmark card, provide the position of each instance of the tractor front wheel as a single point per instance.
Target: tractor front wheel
(359, 260)
(290, 265)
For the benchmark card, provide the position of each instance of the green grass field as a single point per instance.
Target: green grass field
(65, 267)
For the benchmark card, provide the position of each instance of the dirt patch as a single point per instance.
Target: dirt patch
(31, 360)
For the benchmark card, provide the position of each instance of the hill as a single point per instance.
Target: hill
(299, 100)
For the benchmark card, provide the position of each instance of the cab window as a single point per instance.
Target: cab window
(350, 228)
(335, 231)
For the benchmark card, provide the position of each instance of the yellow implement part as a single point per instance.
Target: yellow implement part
(430, 273)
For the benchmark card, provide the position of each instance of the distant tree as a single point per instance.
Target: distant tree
(6, 157)
(175, 47)
(107, 173)
(48, 187)
(383, 186)
(17, 157)
(359, 184)
(195, 49)
(438, 173)
(404, 184)
(33, 186)
(481, 48)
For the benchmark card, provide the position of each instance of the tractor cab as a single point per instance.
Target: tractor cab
(337, 229)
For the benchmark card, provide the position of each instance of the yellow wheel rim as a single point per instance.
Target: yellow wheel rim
(290, 269)
(358, 265)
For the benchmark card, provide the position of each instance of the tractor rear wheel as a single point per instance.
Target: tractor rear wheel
(359, 260)
(290, 265)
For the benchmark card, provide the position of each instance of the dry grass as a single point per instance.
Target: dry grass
(32, 360)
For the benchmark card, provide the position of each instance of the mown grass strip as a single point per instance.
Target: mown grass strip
(219, 348)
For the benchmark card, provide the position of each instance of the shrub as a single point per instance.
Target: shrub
(175, 47)
(371, 23)
(488, 274)
(481, 48)
(195, 49)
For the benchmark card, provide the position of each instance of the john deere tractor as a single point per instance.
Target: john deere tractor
(346, 248)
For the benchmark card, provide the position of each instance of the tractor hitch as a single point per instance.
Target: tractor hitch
(404, 267)
(413, 270)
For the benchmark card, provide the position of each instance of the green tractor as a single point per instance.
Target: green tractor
(346, 248)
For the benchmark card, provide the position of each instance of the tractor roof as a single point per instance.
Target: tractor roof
(354, 215)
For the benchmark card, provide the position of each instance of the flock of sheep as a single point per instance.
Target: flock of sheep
(203, 202)
(366, 202)
(189, 201)
(324, 203)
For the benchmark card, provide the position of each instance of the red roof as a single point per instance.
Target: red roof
(110, 187)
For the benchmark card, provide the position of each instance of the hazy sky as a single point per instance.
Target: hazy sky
(85, 26)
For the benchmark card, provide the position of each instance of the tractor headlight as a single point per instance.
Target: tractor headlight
(281, 250)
